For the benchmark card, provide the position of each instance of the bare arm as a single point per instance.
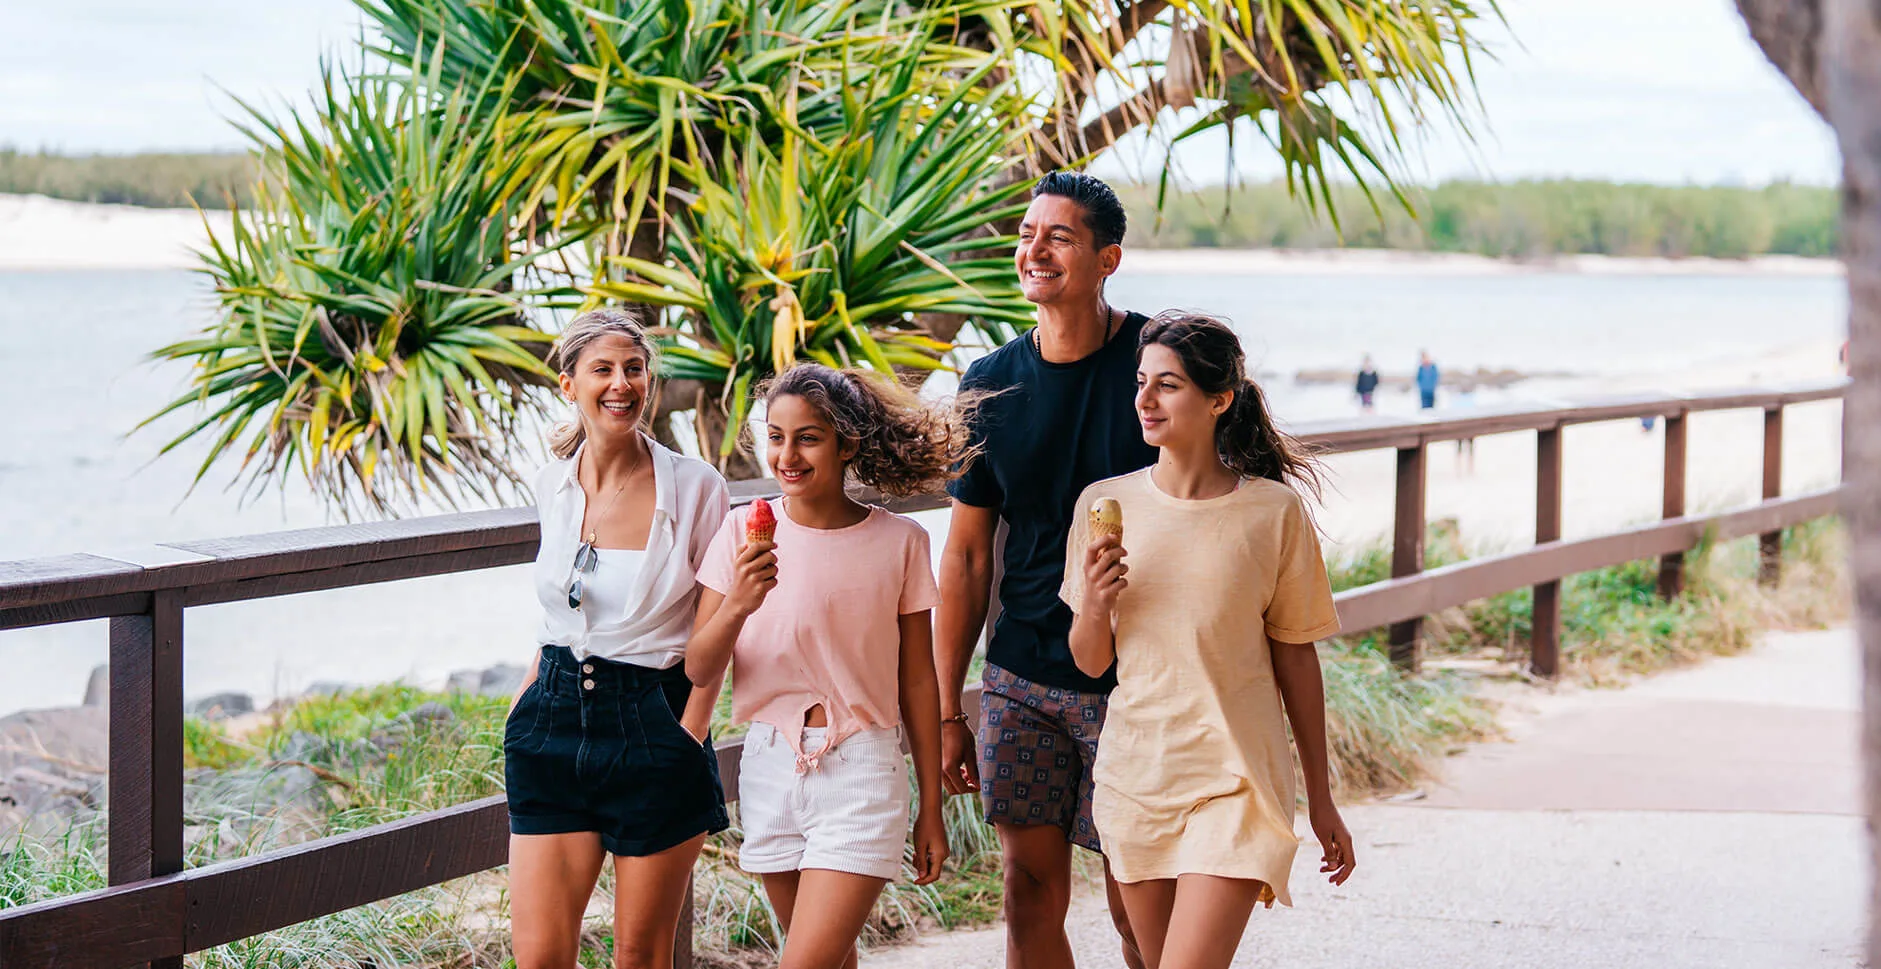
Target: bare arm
(1093, 629)
(920, 716)
(966, 588)
(721, 616)
(700, 706)
(1296, 672)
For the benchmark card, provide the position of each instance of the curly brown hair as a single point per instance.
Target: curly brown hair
(904, 445)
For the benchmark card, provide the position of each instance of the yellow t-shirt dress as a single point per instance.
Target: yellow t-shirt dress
(1193, 772)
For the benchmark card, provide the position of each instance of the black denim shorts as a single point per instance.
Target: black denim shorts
(594, 745)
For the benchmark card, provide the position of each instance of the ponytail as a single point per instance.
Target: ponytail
(1245, 435)
(904, 445)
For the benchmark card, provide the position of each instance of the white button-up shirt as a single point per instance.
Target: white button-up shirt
(690, 502)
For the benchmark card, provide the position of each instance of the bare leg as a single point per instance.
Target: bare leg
(1120, 917)
(1038, 895)
(1149, 904)
(822, 935)
(1206, 923)
(649, 893)
(551, 878)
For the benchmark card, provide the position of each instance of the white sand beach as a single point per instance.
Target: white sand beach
(42, 233)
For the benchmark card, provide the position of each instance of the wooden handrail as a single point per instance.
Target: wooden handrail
(154, 913)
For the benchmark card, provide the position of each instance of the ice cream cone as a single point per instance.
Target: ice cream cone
(761, 523)
(1107, 518)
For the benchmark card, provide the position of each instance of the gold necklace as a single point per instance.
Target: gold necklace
(594, 533)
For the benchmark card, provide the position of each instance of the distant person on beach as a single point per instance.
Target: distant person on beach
(823, 611)
(1367, 384)
(1208, 599)
(1427, 380)
(605, 750)
(1063, 417)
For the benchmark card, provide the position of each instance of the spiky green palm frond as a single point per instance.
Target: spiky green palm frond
(827, 248)
(375, 332)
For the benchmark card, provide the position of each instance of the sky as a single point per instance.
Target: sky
(1669, 91)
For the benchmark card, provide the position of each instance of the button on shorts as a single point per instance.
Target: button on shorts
(594, 745)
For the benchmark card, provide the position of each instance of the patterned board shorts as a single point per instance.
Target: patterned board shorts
(1037, 746)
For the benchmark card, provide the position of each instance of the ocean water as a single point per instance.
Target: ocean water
(76, 476)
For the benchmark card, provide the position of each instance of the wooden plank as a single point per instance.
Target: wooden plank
(75, 610)
(145, 822)
(146, 729)
(1770, 544)
(1407, 548)
(106, 929)
(246, 897)
(1672, 566)
(269, 554)
(366, 573)
(1544, 650)
(1398, 599)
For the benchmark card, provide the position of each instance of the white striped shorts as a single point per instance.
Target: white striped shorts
(846, 811)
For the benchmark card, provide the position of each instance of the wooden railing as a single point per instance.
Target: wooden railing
(155, 911)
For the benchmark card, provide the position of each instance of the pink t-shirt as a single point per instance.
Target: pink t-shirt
(828, 632)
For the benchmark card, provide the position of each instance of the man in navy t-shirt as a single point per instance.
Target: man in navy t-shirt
(1063, 416)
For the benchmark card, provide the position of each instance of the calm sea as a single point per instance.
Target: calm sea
(75, 477)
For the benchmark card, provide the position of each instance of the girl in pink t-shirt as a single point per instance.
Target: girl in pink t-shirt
(827, 629)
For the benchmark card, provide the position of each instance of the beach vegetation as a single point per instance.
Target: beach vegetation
(776, 181)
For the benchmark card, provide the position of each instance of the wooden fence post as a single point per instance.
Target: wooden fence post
(144, 812)
(1672, 566)
(1407, 549)
(1770, 544)
(1544, 651)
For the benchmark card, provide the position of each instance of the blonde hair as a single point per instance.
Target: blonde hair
(566, 437)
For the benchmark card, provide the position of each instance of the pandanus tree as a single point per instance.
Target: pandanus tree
(772, 179)
(1831, 51)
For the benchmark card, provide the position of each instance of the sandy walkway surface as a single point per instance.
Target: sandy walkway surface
(1703, 818)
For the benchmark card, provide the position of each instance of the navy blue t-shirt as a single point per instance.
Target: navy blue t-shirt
(1056, 428)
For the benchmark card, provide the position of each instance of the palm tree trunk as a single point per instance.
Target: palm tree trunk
(1831, 51)
(1851, 74)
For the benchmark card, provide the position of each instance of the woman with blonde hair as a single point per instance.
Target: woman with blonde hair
(606, 751)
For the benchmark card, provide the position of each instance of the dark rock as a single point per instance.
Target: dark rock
(463, 681)
(222, 705)
(425, 717)
(504, 679)
(98, 686)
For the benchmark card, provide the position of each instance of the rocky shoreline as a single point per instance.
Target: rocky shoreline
(54, 762)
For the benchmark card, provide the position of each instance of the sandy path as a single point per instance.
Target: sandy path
(1549, 851)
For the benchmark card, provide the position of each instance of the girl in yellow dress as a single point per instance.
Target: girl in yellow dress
(1211, 620)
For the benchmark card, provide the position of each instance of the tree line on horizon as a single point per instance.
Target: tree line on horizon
(1522, 219)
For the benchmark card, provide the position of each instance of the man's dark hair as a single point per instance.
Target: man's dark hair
(1103, 213)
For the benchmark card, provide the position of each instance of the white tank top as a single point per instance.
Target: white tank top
(605, 593)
